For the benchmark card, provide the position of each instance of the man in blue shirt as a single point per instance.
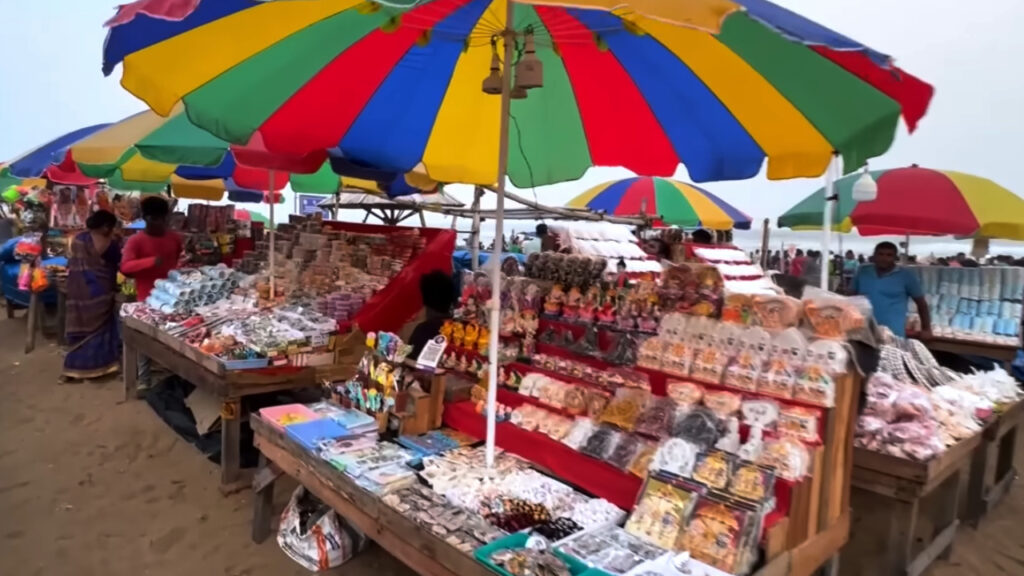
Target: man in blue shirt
(888, 287)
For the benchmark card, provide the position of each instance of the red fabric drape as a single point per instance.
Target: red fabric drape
(400, 300)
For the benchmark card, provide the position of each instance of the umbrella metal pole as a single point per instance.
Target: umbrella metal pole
(766, 234)
(826, 225)
(906, 249)
(495, 303)
(273, 288)
(474, 237)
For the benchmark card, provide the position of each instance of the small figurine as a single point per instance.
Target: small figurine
(588, 308)
(483, 340)
(553, 302)
(571, 309)
(458, 334)
(471, 335)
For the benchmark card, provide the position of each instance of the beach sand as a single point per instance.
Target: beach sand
(92, 486)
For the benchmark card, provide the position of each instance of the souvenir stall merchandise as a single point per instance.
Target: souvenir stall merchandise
(739, 273)
(213, 309)
(463, 502)
(612, 243)
(972, 304)
(729, 396)
(211, 233)
(928, 431)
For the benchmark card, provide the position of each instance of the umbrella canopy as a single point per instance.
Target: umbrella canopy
(670, 201)
(50, 160)
(252, 216)
(147, 148)
(717, 85)
(918, 201)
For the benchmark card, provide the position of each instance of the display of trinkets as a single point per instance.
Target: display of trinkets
(787, 352)
(799, 422)
(663, 511)
(513, 514)
(529, 562)
(612, 550)
(752, 482)
(601, 442)
(462, 529)
(787, 456)
(626, 407)
(676, 456)
(700, 427)
(558, 529)
(722, 403)
(713, 469)
(722, 534)
(657, 419)
(624, 452)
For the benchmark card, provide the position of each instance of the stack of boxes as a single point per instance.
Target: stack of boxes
(981, 304)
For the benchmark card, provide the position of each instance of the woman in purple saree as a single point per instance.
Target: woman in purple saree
(92, 332)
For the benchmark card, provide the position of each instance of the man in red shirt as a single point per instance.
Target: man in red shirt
(147, 257)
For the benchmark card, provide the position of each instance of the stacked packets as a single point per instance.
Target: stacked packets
(974, 303)
(348, 440)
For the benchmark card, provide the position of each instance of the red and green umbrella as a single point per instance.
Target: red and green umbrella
(917, 201)
(717, 85)
(670, 201)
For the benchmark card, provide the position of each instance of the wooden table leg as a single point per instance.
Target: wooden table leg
(33, 323)
(262, 511)
(975, 504)
(130, 370)
(901, 536)
(62, 318)
(230, 442)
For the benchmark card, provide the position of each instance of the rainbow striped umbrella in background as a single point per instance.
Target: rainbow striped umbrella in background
(920, 202)
(670, 201)
(148, 148)
(717, 85)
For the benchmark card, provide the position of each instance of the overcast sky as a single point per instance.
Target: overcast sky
(970, 51)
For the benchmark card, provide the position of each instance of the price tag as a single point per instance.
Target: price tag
(318, 340)
(430, 356)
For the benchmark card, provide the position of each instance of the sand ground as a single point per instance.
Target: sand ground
(90, 485)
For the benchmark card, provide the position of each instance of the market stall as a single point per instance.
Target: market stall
(224, 331)
(921, 458)
(631, 415)
(974, 311)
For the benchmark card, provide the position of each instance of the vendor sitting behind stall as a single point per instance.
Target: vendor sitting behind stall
(438, 293)
(888, 287)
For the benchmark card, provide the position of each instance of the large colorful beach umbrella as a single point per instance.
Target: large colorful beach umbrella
(48, 161)
(918, 201)
(717, 85)
(669, 201)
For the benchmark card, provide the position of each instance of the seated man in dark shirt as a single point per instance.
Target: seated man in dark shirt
(438, 293)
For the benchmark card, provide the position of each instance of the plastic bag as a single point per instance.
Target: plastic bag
(315, 536)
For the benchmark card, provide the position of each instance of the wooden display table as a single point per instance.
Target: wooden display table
(905, 512)
(420, 549)
(229, 386)
(401, 537)
(992, 467)
(1000, 352)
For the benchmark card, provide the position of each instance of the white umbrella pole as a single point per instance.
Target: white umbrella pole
(273, 289)
(492, 351)
(474, 237)
(826, 225)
